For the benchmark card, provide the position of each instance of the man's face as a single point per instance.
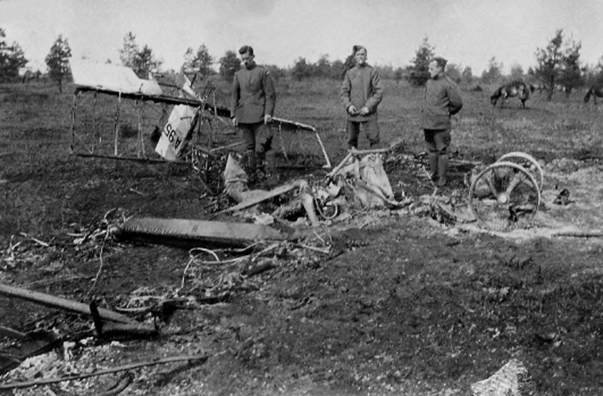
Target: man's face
(247, 59)
(434, 69)
(360, 56)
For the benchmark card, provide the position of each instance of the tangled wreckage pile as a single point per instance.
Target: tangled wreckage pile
(296, 224)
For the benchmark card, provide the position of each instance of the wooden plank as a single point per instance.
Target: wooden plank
(214, 233)
(269, 194)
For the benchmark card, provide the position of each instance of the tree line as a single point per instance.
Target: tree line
(558, 65)
(558, 68)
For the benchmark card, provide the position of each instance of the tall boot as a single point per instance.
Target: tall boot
(261, 160)
(252, 162)
(271, 162)
(433, 165)
(442, 169)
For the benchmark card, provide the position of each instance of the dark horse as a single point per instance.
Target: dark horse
(594, 92)
(515, 88)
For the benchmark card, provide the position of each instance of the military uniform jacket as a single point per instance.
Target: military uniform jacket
(253, 95)
(442, 100)
(361, 87)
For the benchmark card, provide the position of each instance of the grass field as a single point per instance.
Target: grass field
(35, 143)
(405, 307)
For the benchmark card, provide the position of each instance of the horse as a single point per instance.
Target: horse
(515, 88)
(595, 92)
(537, 86)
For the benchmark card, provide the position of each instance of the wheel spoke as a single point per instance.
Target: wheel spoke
(491, 185)
(518, 177)
(527, 162)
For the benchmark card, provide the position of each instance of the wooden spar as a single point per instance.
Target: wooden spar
(280, 135)
(299, 125)
(166, 99)
(73, 377)
(141, 151)
(117, 124)
(324, 152)
(199, 232)
(355, 152)
(135, 159)
(57, 302)
(95, 133)
(341, 164)
(379, 150)
(72, 127)
(11, 333)
(269, 194)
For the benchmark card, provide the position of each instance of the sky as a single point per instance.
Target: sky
(466, 32)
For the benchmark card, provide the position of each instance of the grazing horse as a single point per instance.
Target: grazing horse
(515, 88)
(594, 92)
(537, 86)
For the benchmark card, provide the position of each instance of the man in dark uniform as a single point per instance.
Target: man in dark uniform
(361, 93)
(442, 100)
(253, 101)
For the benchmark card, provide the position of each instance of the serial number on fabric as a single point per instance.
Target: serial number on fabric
(172, 136)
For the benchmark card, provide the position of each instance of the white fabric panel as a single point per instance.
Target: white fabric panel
(111, 77)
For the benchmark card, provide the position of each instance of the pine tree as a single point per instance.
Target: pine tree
(418, 71)
(229, 64)
(492, 75)
(549, 63)
(571, 75)
(12, 59)
(57, 61)
(142, 61)
(198, 62)
(301, 69)
(127, 54)
(145, 62)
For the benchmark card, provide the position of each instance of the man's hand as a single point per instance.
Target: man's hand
(352, 110)
(234, 121)
(267, 119)
(364, 111)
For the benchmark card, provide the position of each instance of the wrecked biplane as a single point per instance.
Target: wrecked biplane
(105, 129)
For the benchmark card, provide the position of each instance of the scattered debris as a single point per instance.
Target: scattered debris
(366, 178)
(120, 330)
(119, 386)
(32, 344)
(39, 242)
(74, 377)
(510, 380)
(563, 198)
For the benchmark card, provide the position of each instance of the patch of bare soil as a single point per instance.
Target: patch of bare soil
(399, 302)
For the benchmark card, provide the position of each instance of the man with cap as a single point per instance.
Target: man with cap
(252, 108)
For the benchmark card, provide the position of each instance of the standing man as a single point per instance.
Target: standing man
(361, 93)
(253, 101)
(442, 100)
